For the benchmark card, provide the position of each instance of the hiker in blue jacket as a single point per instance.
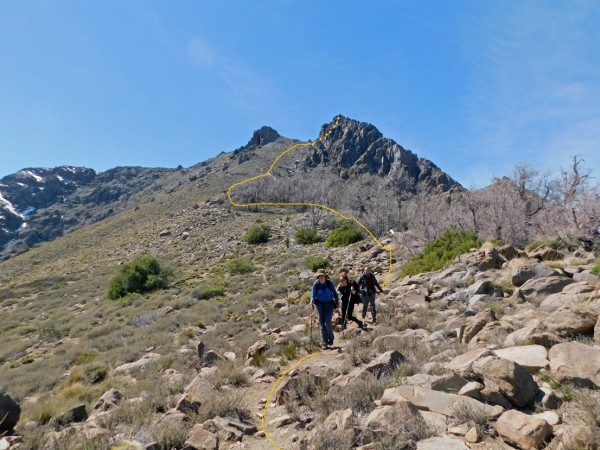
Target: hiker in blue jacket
(325, 298)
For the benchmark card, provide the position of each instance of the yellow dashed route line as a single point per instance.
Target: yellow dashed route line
(351, 218)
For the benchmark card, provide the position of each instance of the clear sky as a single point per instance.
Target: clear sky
(476, 86)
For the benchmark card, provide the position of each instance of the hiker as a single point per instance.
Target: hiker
(367, 284)
(350, 297)
(325, 297)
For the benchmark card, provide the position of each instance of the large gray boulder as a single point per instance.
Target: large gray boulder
(542, 287)
(436, 401)
(571, 320)
(10, 412)
(576, 363)
(520, 275)
(512, 379)
(531, 357)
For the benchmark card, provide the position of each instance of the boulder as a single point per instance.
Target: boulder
(476, 324)
(545, 254)
(472, 389)
(109, 399)
(229, 429)
(436, 401)
(385, 418)
(76, 414)
(449, 382)
(524, 431)
(10, 412)
(571, 320)
(491, 394)
(463, 364)
(520, 275)
(522, 335)
(140, 364)
(193, 395)
(256, 349)
(513, 380)
(339, 420)
(542, 287)
(480, 287)
(380, 366)
(531, 357)
(576, 363)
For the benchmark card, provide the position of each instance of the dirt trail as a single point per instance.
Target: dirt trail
(282, 436)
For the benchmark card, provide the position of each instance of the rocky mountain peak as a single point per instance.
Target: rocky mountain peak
(355, 148)
(263, 136)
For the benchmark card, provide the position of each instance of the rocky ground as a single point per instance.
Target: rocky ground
(499, 350)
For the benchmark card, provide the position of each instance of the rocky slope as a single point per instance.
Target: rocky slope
(499, 350)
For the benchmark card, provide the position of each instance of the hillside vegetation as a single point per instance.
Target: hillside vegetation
(472, 340)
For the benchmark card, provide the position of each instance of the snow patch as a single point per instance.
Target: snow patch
(8, 205)
(61, 179)
(24, 225)
(31, 174)
(28, 211)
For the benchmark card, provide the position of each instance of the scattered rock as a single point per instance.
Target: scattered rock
(140, 364)
(542, 287)
(577, 363)
(526, 432)
(109, 399)
(256, 349)
(531, 357)
(76, 414)
(513, 381)
(519, 275)
(192, 397)
(435, 401)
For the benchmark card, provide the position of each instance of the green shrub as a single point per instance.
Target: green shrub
(240, 266)
(315, 263)
(143, 274)
(306, 236)
(496, 242)
(596, 269)
(208, 290)
(345, 235)
(439, 252)
(84, 358)
(258, 234)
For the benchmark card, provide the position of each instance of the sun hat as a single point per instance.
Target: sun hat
(321, 272)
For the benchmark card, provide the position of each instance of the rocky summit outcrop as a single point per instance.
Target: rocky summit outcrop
(353, 148)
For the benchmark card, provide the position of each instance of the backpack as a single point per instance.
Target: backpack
(328, 284)
(355, 297)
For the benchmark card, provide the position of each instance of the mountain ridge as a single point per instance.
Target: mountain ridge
(60, 200)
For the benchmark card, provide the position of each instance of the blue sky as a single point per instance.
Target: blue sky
(476, 86)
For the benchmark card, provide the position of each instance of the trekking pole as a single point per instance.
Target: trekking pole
(345, 318)
(312, 310)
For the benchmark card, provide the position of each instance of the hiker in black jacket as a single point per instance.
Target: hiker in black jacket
(367, 284)
(350, 296)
